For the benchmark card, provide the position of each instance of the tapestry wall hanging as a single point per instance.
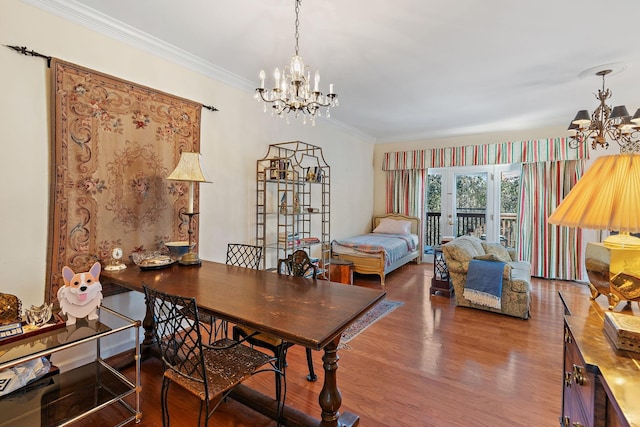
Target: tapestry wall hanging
(115, 142)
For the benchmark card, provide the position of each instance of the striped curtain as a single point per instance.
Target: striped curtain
(555, 252)
(405, 191)
(535, 150)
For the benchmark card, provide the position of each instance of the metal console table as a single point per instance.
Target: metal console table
(63, 398)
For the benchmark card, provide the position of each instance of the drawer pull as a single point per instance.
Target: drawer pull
(567, 336)
(568, 377)
(578, 374)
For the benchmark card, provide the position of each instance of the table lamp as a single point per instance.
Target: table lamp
(189, 169)
(607, 197)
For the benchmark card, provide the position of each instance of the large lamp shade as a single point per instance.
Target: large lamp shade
(189, 169)
(607, 197)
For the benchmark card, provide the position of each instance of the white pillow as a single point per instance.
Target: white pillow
(393, 226)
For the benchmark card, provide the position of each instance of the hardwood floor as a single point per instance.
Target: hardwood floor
(427, 363)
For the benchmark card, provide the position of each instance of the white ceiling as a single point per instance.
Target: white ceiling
(407, 69)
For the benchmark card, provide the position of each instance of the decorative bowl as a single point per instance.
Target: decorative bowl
(177, 249)
(38, 316)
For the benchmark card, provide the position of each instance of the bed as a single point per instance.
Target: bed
(396, 242)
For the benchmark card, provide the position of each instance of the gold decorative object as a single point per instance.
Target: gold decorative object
(283, 204)
(10, 309)
(624, 286)
(296, 203)
(115, 263)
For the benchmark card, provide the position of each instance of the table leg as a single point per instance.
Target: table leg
(330, 397)
(149, 343)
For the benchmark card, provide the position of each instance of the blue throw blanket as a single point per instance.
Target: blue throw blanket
(484, 283)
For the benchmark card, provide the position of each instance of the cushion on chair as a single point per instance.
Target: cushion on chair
(464, 248)
(489, 257)
(221, 372)
(498, 250)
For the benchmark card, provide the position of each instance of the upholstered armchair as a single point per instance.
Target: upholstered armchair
(515, 298)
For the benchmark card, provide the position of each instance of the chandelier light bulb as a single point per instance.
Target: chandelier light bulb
(297, 69)
(262, 76)
(276, 75)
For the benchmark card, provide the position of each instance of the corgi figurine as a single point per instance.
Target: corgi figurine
(81, 294)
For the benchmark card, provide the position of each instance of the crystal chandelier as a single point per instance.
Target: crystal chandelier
(292, 91)
(606, 124)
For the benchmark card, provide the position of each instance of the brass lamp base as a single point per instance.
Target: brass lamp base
(622, 241)
(190, 258)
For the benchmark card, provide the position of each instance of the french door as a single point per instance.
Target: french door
(474, 200)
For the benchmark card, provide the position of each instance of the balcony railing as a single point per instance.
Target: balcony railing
(471, 223)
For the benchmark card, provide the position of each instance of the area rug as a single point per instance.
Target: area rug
(383, 308)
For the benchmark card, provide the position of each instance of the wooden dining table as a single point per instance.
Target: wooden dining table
(310, 313)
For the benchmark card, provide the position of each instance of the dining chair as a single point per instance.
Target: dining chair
(299, 264)
(241, 255)
(296, 266)
(250, 256)
(244, 255)
(207, 371)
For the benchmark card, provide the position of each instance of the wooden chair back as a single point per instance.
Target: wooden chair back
(299, 264)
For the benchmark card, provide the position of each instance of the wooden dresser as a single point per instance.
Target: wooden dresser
(601, 385)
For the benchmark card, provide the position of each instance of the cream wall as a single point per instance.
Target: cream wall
(232, 140)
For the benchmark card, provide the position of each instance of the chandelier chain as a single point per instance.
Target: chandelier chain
(297, 24)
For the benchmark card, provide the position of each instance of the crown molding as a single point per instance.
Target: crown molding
(94, 20)
(104, 24)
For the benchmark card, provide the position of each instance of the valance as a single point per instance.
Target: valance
(530, 151)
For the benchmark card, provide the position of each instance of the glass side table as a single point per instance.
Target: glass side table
(65, 397)
(440, 282)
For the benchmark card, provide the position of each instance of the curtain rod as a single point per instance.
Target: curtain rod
(22, 50)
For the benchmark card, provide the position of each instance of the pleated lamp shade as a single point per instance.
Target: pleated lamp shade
(607, 197)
